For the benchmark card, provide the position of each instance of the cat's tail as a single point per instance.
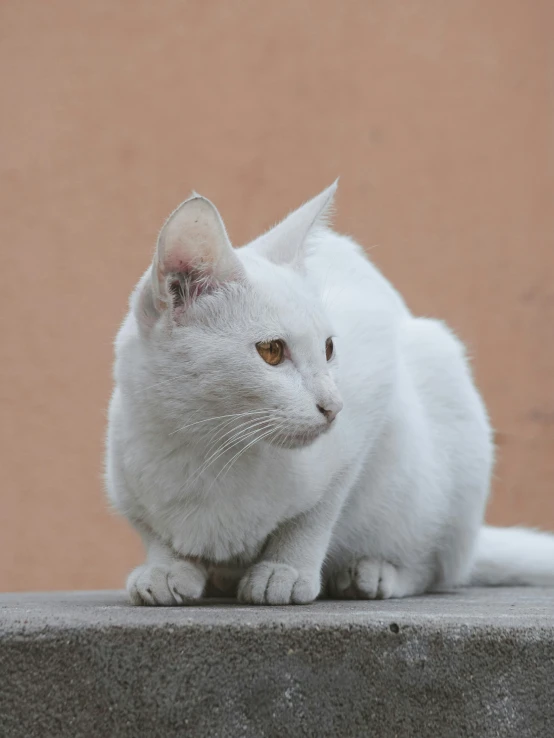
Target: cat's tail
(513, 557)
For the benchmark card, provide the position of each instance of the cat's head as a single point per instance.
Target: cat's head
(238, 341)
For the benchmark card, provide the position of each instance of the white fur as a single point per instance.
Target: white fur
(231, 473)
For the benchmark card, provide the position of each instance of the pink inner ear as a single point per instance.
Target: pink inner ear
(189, 286)
(177, 264)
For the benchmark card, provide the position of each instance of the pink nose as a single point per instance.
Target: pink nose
(331, 411)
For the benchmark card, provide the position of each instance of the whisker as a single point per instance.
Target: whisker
(220, 451)
(233, 430)
(218, 417)
(241, 451)
(234, 440)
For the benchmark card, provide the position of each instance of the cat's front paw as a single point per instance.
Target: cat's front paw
(368, 579)
(272, 583)
(181, 583)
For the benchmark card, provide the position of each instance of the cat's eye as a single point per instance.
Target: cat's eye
(272, 352)
(329, 349)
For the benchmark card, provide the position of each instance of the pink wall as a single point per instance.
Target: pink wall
(439, 117)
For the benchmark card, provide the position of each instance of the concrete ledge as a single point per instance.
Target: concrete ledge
(86, 664)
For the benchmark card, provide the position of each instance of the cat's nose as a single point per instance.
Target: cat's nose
(330, 409)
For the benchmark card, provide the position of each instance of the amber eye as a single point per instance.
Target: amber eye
(329, 348)
(272, 352)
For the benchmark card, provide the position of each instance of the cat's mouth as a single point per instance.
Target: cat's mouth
(300, 439)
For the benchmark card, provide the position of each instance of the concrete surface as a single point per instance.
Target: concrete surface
(439, 119)
(88, 665)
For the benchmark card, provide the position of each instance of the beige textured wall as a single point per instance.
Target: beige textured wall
(439, 117)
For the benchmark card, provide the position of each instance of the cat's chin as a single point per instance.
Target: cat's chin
(298, 440)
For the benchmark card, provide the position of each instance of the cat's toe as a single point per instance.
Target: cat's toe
(376, 579)
(186, 582)
(147, 585)
(305, 590)
(178, 584)
(366, 579)
(272, 583)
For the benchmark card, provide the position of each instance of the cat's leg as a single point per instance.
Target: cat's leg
(376, 579)
(416, 568)
(290, 569)
(165, 578)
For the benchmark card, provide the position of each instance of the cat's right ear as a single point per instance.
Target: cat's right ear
(285, 243)
(193, 256)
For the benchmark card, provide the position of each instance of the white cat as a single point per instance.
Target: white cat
(280, 418)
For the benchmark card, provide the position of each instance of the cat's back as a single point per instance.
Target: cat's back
(378, 335)
(348, 281)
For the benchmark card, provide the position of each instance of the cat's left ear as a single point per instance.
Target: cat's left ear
(193, 254)
(285, 243)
